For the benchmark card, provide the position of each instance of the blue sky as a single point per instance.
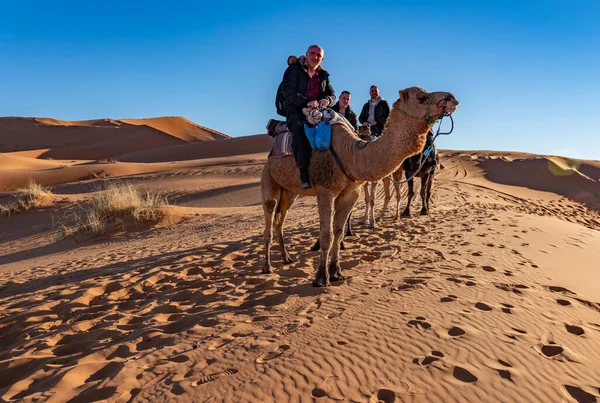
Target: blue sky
(527, 73)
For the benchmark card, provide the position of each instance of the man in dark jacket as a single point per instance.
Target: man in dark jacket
(343, 108)
(305, 85)
(375, 112)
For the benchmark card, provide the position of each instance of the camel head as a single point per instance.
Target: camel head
(418, 103)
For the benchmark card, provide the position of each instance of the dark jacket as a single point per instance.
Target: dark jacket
(382, 111)
(348, 114)
(295, 81)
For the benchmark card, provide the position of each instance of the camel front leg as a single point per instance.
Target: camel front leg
(349, 224)
(372, 205)
(411, 193)
(397, 176)
(426, 182)
(343, 207)
(387, 197)
(284, 205)
(325, 202)
(348, 232)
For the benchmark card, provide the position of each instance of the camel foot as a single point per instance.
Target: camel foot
(316, 247)
(287, 259)
(349, 233)
(267, 269)
(342, 246)
(424, 212)
(337, 277)
(372, 226)
(406, 213)
(321, 281)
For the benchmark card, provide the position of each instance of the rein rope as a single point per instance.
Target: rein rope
(430, 149)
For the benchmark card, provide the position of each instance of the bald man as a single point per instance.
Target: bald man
(305, 84)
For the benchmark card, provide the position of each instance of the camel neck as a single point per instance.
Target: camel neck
(402, 137)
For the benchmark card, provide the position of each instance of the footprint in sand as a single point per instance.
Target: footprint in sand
(293, 327)
(563, 302)
(464, 375)
(449, 298)
(560, 289)
(273, 354)
(419, 322)
(551, 350)
(576, 330)
(580, 395)
(323, 390)
(213, 377)
(507, 308)
(383, 396)
(424, 361)
(456, 331)
(223, 341)
(483, 307)
(489, 269)
(336, 312)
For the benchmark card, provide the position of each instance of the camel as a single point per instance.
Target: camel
(409, 167)
(427, 173)
(336, 184)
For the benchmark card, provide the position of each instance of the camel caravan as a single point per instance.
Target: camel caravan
(339, 161)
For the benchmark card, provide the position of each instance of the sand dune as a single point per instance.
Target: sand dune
(225, 148)
(492, 297)
(97, 139)
(179, 127)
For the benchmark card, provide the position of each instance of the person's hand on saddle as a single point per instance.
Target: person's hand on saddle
(312, 104)
(323, 103)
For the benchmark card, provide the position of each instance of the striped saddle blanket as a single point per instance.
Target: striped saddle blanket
(282, 138)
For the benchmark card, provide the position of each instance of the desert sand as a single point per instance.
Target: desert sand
(493, 297)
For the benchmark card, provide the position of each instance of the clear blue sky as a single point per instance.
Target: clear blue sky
(527, 73)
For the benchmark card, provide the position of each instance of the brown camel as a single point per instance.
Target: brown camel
(411, 166)
(404, 135)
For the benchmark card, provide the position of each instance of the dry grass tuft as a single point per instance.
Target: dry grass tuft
(118, 205)
(30, 197)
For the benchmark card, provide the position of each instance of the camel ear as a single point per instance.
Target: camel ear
(403, 95)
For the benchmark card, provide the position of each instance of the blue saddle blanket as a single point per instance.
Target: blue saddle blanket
(319, 136)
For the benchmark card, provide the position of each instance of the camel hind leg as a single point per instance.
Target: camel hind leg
(387, 196)
(367, 202)
(271, 194)
(397, 176)
(284, 205)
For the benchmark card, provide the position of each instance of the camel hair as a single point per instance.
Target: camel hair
(404, 135)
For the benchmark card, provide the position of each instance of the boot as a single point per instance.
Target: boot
(304, 178)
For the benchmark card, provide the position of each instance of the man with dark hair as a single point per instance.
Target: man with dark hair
(343, 108)
(305, 85)
(375, 112)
